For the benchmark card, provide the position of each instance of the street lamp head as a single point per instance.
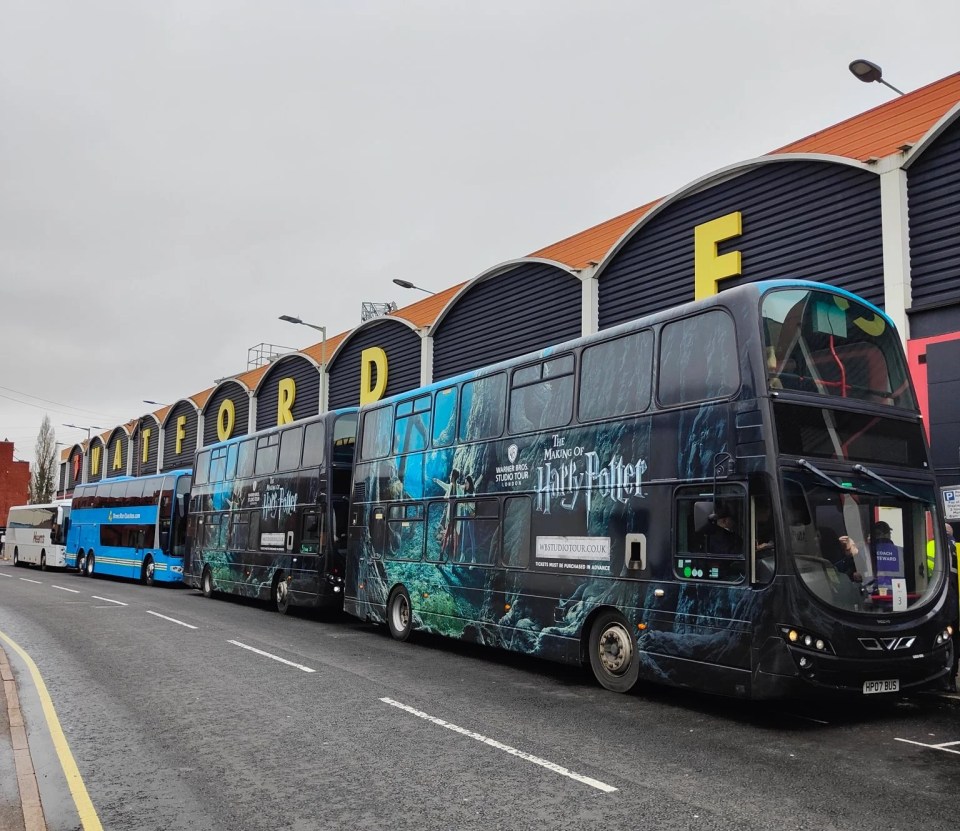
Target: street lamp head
(406, 284)
(290, 319)
(866, 71)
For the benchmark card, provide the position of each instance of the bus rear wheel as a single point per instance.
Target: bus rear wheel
(89, 565)
(43, 561)
(613, 652)
(81, 564)
(206, 583)
(281, 594)
(399, 614)
(16, 556)
(147, 572)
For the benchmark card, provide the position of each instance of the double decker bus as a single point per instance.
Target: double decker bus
(36, 534)
(131, 527)
(268, 515)
(732, 496)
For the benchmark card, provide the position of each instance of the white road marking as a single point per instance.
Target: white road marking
(274, 657)
(171, 619)
(72, 591)
(107, 599)
(586, 780)
(28, 580)
(5, 575)
(944, 747)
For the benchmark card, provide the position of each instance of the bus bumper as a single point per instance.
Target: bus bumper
(787, 672)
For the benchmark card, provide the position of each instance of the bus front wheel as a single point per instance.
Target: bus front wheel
(147, 572)
(399, 615)
(89, 565)
(281, 594)
(613, 652)
(16, 556)
(43, 561)
(206, 583)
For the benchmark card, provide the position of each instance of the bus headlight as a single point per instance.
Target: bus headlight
(808, 640)
(944, 636)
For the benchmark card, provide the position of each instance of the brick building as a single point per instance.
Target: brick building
(14, 481)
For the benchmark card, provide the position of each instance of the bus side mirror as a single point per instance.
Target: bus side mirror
(703, 516)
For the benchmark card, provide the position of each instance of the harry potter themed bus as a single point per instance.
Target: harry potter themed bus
(732, 496)
(268, 515)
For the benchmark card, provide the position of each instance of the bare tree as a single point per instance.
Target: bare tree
(43, 482)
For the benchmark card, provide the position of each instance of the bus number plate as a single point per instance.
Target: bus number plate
(888, 686)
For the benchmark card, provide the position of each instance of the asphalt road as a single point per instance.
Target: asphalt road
(177, 723)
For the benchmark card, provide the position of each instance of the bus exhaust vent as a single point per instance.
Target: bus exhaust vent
(360, 492)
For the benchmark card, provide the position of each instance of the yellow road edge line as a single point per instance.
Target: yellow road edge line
(88, 814)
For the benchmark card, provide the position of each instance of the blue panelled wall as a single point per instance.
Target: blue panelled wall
(400, 342)
(523, 309)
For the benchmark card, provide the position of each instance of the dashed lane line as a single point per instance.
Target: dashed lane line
(107, 600)
(171, 619)
(271, 656)
(529, 757)
(946, 747)
(72, 591)
(28, 580)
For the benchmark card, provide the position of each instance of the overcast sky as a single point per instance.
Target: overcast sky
(175, 175)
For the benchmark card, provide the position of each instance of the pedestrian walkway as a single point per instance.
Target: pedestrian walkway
(20, 808)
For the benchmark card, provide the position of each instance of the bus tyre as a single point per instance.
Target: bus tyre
(613, 652)
(206, 583)
(399, 615)
(147, 572)
(281, 594)
(89, 565)
(81, 564)
(43, 561)
(16, 556)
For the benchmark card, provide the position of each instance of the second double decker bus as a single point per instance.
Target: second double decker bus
(131, 527)
(268, 517)
(732, 496)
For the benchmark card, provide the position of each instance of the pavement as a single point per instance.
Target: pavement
(20, 808)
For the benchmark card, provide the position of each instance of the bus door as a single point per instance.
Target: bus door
(306, 548)
(704, 606)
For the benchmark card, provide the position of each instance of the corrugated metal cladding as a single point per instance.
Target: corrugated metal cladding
(232, 391)
(306, 401)
(62, 481)
(933, 188)
(188, 445)
(402, 346)
(74, 468)
(110, 469)
(800, 219)
(527, 308)
(96, 446)
(141, 467)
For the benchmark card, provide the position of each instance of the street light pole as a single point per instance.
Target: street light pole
(323, 354)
